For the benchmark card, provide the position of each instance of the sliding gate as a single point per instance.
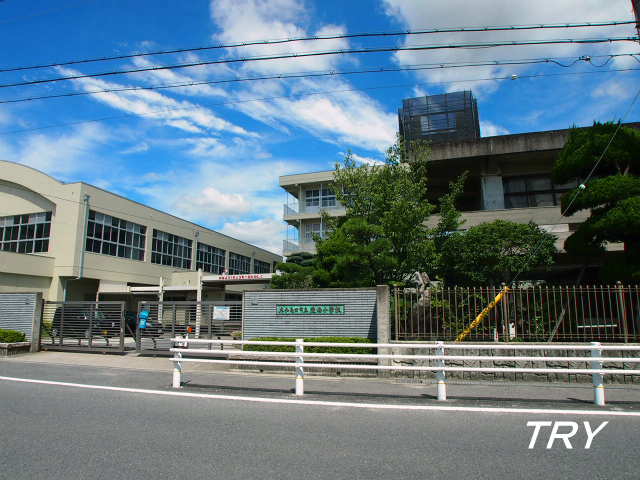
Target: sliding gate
(83, 326)
(166, 320)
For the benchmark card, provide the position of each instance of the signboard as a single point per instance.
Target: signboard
(310, 309)
(221, 313)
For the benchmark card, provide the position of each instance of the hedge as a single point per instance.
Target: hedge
(11, 336)
(287, 348)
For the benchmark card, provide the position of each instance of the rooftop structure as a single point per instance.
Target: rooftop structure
(440, 118)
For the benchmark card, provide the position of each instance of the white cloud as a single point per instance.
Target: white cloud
(366, 160)
(264, 233)
(418, 14)
(63, 156)
(137, 148)
(212, 203)
(152, 104)
(346, 119)
(247, 20)
(489, 129)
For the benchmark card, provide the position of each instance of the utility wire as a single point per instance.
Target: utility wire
(325, 53)
(279, 97)
(324, 73)
(46, 11)
(318, 37)
(581, 188)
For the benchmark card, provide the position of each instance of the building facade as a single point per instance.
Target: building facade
(509, 179)
(78, 242)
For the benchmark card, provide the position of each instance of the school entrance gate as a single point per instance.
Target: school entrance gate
(109, 328)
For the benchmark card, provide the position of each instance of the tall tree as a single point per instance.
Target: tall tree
(612, 153)
(382, 237)
(494, 252)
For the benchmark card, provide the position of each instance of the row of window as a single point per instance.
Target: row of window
(27, 233)
(113, 236)
(533, 191)
(109, 235)
(320, 197)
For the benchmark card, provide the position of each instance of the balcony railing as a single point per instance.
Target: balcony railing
(296, 208)
(301, 246)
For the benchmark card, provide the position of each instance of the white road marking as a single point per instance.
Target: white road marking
(445, 408)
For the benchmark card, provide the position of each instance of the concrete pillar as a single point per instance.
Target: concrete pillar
(384, 324)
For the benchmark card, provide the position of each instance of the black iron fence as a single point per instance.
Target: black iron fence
(606, 313)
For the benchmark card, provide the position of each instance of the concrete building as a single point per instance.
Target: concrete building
(78, 242)
(509, 179)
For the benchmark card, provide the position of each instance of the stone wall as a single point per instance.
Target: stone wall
(514, 376)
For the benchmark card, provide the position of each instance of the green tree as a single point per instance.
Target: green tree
(382, 238)
(295, 273)
(612, 153)
(494, 252)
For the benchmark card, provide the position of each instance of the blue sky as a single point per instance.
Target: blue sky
(212, 153)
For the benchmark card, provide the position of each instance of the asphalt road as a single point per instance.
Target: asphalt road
(252, 427)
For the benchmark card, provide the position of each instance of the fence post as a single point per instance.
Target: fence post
(441, 386)
(177, 370)
(598, 387)
(622, 312)
(299, 367)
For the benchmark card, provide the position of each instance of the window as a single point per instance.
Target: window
(239, 264)
(533, 191)
(27, 233)
(328, 199)
(210, 259)
(116, 237)
(318, 198)
(171, 250)
(261, 267)
(312, 198)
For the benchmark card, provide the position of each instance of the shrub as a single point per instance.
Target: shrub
(11, 336)
(287, 348)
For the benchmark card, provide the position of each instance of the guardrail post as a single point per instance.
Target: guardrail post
(441, 386)
(299, 367)
(598, 387)
(177, 369)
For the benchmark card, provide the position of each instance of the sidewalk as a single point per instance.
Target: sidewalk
(151, 372)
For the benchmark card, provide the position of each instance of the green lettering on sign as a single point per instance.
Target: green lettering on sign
(310, 309)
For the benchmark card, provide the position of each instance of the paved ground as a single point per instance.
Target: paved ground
(145, 371)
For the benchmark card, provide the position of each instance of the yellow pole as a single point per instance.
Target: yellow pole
(484, 312)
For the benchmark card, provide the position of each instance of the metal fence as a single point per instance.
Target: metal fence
(205, 320)
(617, 363)
(83, 326)
(608, 313)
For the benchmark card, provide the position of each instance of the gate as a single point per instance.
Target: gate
(166, 320)
(83, 326)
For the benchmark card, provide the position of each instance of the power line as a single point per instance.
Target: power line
(46, 11)
(278, 97)
(324, 73)
(326, 53)
(318, 37)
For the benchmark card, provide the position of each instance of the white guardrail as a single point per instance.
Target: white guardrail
(595, 369)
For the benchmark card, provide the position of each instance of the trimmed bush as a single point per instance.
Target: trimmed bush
(286, 348)
(11, 336)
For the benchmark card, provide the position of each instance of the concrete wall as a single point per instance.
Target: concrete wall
(272, 313)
